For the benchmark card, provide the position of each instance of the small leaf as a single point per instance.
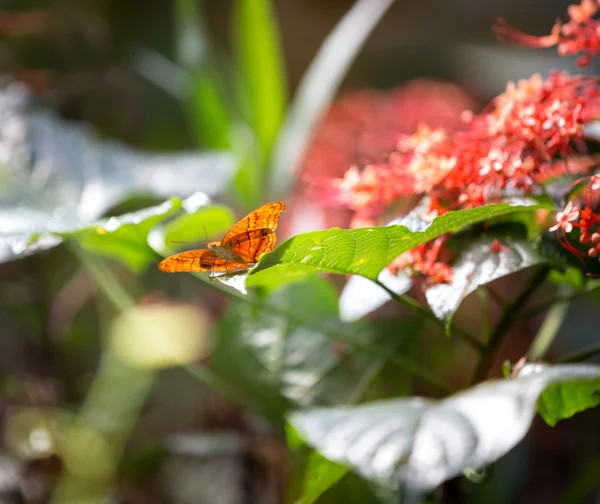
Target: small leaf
(125, 238)
(477, 265)
(563, 400)
(364, 252)
(420, 443)
(211, 221)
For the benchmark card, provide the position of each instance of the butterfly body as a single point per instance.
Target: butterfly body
(240, 249)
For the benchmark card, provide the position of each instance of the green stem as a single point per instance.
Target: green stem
(580, 355)
(497, 297)
(417, 308)
(484, 296)
(510, 315)
(559, 299)
(104, 278)
(547, 332)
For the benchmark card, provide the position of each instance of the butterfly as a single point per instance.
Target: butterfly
(239, 249)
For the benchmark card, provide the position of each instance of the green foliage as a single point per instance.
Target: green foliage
(211, 221)
(313, 474)
(563, 400)
(479, 264)
(362, 252)
(125, 238)
(293, 344)
(342, 390)
(261, 68)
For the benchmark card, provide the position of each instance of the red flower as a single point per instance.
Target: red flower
(510, 147)
(581, 34)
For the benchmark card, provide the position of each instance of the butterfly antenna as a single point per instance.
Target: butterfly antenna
(205, 233)
(173, 241)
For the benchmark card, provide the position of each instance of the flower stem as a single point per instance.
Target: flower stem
(559, 299)
(510, 316)
(580, 355)
(417, 308)
(548, 331)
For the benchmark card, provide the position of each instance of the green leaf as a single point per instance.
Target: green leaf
(74, 179)
(301, 349)
(563, 400)
(362, 252)
(479, 264)
(125, 238)
(261, 69)
(318, 475)
(318, 87)
(207, 223)
(391, 442)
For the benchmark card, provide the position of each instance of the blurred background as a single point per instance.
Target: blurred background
(183, 435)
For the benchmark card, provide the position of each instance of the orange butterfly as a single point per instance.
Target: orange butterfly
(240, 248)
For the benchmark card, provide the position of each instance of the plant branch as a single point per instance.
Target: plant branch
(417, 308)
(510, 315)
(559, 299)
(580, 355)
(547, 332)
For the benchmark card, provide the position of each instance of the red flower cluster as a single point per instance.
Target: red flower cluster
(509, 149)
(581, 215)
(361, 128)
(581, 34)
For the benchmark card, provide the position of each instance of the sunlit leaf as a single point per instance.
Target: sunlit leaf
(209, 222)
(125, 238)
(563, 400)
(56, 178)
(420, 443)
(361, 296)
(362, 252)
(478, 264)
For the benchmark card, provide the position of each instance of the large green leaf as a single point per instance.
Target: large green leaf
(125, 238)
(563, 400)
(362, 252)
(56, 179)
(319, 473)
(479, 263)
(297, 346)
(420, 443)
(260, 69)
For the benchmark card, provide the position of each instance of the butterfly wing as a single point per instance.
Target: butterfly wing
(247, 241)
(265, 217)
(250, 245)
(197, 261)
